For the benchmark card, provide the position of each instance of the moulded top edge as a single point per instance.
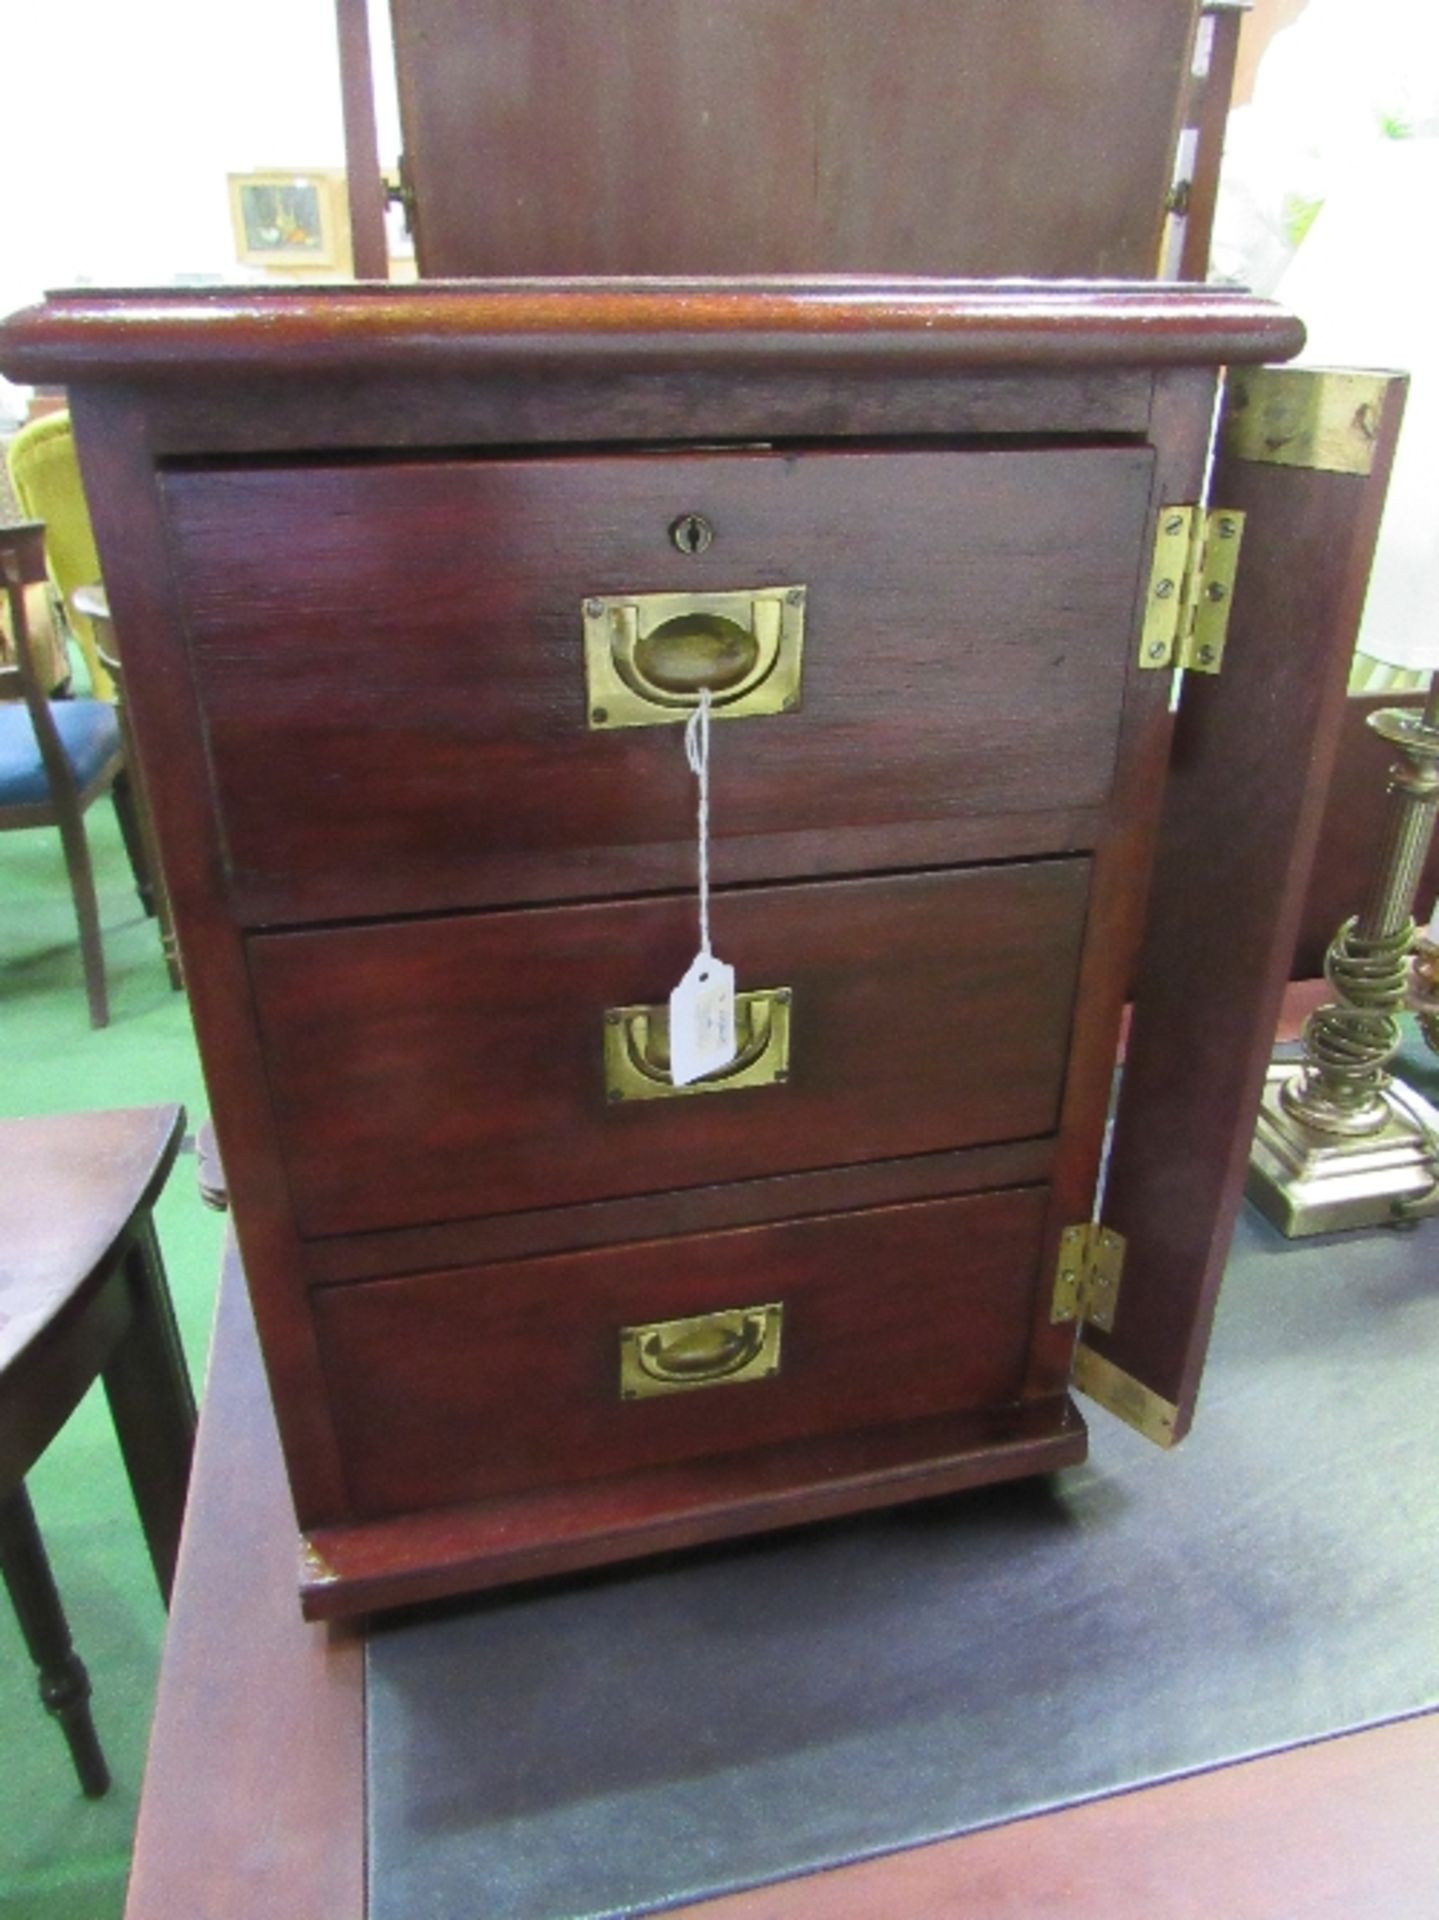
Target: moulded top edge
(920, 325)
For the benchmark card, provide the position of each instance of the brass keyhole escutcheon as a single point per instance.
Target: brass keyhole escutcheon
(692, 533)
(697, 650)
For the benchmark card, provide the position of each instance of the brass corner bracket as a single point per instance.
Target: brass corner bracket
(1125, 1397)
(1321, 417)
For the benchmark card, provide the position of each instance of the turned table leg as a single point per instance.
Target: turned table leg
(64, 1683)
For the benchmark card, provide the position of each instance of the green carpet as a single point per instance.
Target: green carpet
(63, 1857)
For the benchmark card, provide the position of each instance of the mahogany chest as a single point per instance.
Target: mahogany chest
(414, 589)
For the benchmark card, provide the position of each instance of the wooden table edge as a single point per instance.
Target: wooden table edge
(247, 1812)
(258, 1813)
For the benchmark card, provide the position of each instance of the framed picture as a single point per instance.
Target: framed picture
(284, 218)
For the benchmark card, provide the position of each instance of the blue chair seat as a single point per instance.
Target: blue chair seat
(89, 734)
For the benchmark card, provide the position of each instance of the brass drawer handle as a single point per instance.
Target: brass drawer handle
(637, 1049)
(706, 1350)
(647, 655)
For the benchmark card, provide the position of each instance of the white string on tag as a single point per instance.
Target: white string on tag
(697, 752)
(702, 1006)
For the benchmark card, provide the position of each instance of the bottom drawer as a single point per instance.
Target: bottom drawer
(456, 1386)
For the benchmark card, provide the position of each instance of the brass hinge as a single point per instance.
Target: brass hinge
(399, 192)
(1086, 1280)
(1191, 585)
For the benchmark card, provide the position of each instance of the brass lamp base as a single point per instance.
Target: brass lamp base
(1307, 1181)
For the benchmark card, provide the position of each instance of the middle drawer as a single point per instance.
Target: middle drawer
(451, 1068)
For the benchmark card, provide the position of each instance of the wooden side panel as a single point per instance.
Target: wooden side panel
(1253, 752)
(1183, 413)
(419, 650)
(458, 1386)
(439, 1069)
(160, 698)
(785, 136)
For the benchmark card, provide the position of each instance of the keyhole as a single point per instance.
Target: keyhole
(692, 533)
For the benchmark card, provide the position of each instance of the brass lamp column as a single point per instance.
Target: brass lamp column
(1339, 1142)
(1424, 988)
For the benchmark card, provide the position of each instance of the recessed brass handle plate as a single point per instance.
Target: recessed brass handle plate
(722, 1349)
(637, 1049)
(647, 655)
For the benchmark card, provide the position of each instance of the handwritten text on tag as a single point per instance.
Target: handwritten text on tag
(702, 1036)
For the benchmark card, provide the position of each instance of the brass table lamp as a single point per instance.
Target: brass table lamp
(1340, 1143)
(1424, 982)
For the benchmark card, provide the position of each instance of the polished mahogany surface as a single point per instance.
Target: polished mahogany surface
(655, 326)
(83, 1296)
(72, 1185)
(1254, 749)
(998, 137)
(348, 539)
(436, 1071)
(438, 751)
(530, 1350)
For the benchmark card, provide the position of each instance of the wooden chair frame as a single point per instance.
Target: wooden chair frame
(22, 564)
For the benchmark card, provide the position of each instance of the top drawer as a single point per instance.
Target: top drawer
(395, 704)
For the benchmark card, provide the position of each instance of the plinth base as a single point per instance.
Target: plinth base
(1304, 1181)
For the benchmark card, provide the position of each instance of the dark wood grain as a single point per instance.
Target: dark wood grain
(116, 456)
(433, 1070)
(655, 1216)
(83, 1297)
(657, 327)
(253, 1801)
(973, 610)
(364, 187)
(115, 1162)
(1253, 754)
(554, 1530)
(893, 1313)
(1119, 892)
(408, 407)
(61, 1679)
(798, 136)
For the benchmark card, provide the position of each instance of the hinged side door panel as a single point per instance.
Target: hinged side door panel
(1253, 752)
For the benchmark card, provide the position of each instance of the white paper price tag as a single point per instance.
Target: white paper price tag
(702, 1021)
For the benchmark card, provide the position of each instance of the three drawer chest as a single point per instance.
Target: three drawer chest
(417, 590)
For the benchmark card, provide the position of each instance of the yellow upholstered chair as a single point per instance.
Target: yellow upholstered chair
(45, 473)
